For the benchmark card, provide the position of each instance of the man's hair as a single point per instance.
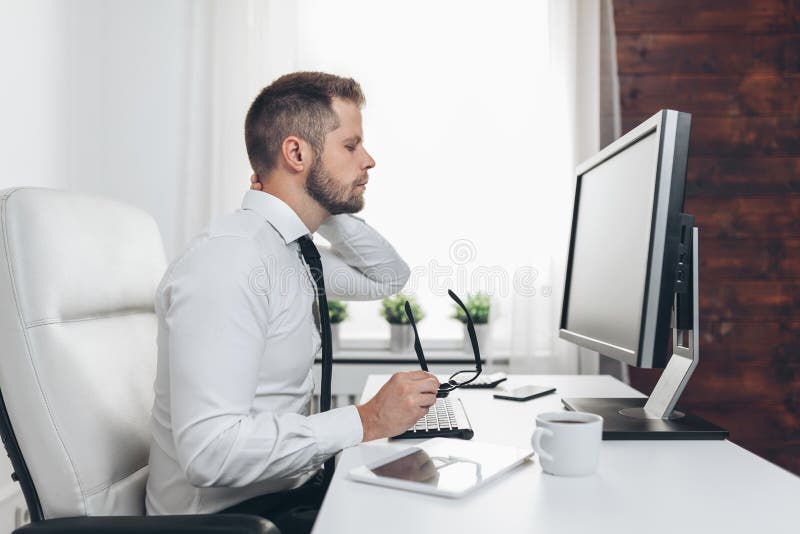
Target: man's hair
(296, 104)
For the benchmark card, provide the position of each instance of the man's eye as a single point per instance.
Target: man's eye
(350, 148)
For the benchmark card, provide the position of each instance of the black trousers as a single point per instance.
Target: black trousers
(293, 511)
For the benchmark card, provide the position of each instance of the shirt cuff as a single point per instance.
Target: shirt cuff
(336, 429)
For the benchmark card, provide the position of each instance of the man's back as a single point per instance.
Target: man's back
(236, 342)
(237, 338)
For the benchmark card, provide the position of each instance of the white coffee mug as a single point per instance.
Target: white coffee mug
(568, 443)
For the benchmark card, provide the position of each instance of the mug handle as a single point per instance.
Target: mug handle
(537, 443)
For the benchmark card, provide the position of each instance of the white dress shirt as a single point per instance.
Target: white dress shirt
(236, 345)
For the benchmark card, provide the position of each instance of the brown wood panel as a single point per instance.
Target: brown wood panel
(785, 455)
(749, 339)
(794, 9)
(738, 136)
(700, 53)
(755, 423)
(792, 55)
(724, 385)
(717, 387)
(746, 217)
(748, 16)
(734, 66)
(748, 382)
(743, 381)
(757, 94)
(762, 300)
(737, 397)
(774, 258)
(725, 176)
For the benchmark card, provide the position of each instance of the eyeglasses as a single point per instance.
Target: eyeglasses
(459, 378)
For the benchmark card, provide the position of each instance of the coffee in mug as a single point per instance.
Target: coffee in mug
(568, 443)
(567, 421)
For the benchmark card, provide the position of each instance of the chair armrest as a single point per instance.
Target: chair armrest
(157, 524)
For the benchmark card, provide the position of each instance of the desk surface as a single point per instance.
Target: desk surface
(640, 486)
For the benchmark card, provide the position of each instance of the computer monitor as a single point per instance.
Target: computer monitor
(631, 277)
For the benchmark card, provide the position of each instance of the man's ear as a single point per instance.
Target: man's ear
(296, 153)
(255, 182)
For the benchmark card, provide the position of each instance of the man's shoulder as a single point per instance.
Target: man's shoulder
(241, 223)
(227, 242)
(242, 229)
(213, 258)
(232, 241)
(248, 225)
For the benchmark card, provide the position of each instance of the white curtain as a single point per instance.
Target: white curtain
(585, 90)
(234, 49)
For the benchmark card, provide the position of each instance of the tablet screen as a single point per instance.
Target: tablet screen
(447, 472)
(442, 466)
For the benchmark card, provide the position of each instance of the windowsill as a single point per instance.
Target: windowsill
(382, 344)
(375, 351)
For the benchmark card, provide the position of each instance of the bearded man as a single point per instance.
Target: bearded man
(243, 314)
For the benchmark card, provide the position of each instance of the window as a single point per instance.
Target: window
(473, 180)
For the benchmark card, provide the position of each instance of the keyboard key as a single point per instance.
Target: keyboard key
(440, 420)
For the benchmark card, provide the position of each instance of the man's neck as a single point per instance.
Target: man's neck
(309, 211)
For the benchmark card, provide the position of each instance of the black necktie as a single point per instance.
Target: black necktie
(311, 256)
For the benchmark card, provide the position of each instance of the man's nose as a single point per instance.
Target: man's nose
(370, 163)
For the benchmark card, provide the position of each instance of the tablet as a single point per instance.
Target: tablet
(442, 466)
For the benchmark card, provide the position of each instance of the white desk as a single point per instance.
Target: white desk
(640, 487)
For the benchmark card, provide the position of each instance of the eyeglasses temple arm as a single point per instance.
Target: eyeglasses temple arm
(470, 330)
(417, 344)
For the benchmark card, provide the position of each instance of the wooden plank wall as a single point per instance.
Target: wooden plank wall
(735, 65)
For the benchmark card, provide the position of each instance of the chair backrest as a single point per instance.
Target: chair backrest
(78, 276)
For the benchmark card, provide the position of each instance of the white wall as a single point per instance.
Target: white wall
(91, 100)
(32, 85)
(32, 128)
(124, 103)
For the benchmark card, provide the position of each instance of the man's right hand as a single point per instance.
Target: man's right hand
(399, 404)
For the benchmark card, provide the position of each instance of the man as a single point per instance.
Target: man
(237, 332)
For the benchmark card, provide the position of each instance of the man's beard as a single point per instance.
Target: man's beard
(333, 197)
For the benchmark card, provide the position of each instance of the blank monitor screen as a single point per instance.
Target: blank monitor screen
(610, 249)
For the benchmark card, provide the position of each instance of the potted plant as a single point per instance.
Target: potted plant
(338, 313)
(393, 310)
(479, 305)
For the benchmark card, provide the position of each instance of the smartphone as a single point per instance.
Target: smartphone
(525, 393)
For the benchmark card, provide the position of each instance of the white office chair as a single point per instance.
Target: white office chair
(78, 276)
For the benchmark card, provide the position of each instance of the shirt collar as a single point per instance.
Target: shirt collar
(277, 213)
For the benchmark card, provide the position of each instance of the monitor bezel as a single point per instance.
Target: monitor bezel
(672, 129)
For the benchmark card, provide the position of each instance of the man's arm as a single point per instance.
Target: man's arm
(360, 264)
(218, 322)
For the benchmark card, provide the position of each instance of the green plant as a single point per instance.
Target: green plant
(393, 309)
(337, 310)
(478, 306)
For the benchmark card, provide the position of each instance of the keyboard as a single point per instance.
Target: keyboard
(446, 418)
(486, 381)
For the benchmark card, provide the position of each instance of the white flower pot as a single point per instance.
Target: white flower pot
(335, 336)
(401, 338)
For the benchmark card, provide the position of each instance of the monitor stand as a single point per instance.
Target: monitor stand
(656, 417)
